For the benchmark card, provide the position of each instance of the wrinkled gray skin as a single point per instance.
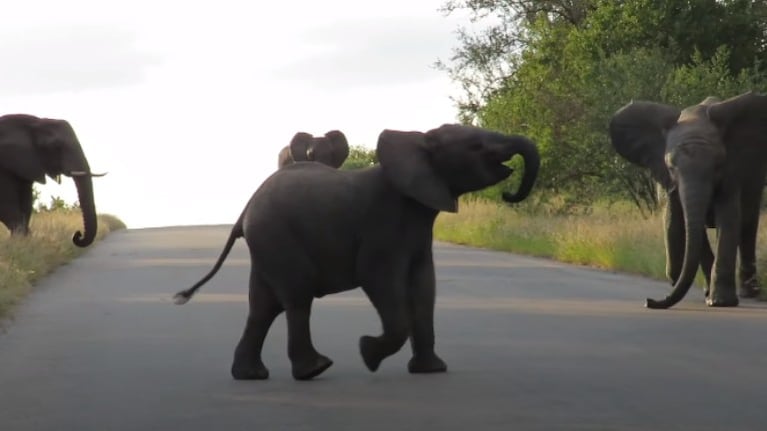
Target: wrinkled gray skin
(331, 149)
(313, 230)
(30, 149)
(711, 158)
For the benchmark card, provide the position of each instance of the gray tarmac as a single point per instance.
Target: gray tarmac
(530, 344)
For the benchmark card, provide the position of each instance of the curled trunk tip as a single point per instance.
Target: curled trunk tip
(532, 162)
(657, 305)
(87, 206)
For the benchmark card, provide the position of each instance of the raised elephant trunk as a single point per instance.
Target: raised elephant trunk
(532, 161)
(695, 201)
(84, 185)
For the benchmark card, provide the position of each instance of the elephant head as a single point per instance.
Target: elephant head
(436, 167)
(686, 151)
(32, 147)
(331, 149)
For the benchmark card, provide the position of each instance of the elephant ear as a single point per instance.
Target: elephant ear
(284, 158)
(299, 146)
(405, 160)
(742, 118)
(339, 148)
(638, 134)
(19, 153)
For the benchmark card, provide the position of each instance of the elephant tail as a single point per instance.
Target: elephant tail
(184, 296)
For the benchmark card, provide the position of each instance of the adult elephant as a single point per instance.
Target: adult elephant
(31, 148)
(331, 149)
(711, 158)
(313, 230)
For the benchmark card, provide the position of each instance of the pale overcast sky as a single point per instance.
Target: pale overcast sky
(186, 104)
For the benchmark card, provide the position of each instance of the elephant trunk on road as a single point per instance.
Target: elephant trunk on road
(532, 161)
(695, 197)
(84, 183)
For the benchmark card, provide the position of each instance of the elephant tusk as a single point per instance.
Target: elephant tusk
(85, 174)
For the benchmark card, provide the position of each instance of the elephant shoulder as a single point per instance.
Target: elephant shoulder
(18, 154)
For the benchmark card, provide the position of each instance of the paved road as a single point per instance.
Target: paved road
(530, 345)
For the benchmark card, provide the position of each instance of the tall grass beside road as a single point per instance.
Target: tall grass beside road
(24, 260)
(615, 237)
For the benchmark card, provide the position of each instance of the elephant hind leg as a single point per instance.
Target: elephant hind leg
(306, 362)
(264, 308)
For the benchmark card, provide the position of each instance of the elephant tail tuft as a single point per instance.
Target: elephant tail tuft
(184, 296)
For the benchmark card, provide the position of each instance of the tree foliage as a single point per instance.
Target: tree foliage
(360, 157)
(557, 70)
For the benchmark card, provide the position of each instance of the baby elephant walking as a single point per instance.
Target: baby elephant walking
(313, 230)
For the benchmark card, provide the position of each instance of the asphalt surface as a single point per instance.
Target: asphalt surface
(530, 345)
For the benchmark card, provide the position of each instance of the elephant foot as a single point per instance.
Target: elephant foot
(426, 364)
(250, 372)
(369, 351)
(722, 300)
(749, 288)
(310, 369)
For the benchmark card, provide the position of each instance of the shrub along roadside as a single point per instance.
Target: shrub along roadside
(24, 260)
(614, 237)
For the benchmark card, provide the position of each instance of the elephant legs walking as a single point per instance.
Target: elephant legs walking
(706, 262)
(15, 204)
(390, 302)
(422, 285)
(306, 362)
(722, 292)
(264, 308)
(25, 199)
(749, 285)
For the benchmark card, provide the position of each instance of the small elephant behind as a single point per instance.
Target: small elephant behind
(313, 231)
(331, 149)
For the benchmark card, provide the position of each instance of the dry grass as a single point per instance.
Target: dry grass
(612, 237)
(23, 260)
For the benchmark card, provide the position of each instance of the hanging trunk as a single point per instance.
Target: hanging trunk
(695, 201)
(84, 185)
(532, 161)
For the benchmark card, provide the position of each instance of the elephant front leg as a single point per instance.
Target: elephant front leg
(26, 199)
(749, 284)
(706, 262)
(723, 292)
(421, 298)
(387, 293)
(15, 205)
